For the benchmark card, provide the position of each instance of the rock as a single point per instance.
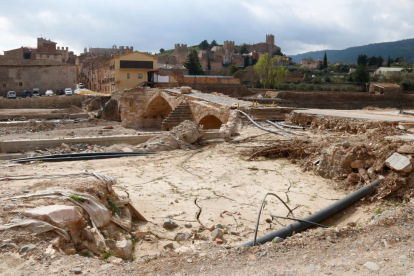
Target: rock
(260, 96)
(9, 207)
(346, 144)
(88, 235)
(411, 273)
(217, 234)
(372, 266)
(70, 251)
(123, 249)
(58, 215)
(189, 260)
(252, 263)
(77, 270)
(168, 245)
(110, 243)
(312, 267)
(408, 149)
(409, 210)
(114, 260)
(169, 224)
(26, 191)
(28, 247)
(94, 104)
(264, 254)
(138, 235)
(399, 162)
(218, 241)
(356, 164)
(185, 90)
(188, 225)
(182, 236)
(277, 240)
(219, 226)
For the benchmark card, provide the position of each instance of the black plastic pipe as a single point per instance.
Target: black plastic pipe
(317, 217)
(52, 158)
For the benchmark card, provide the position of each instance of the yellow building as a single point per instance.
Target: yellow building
(132, 69)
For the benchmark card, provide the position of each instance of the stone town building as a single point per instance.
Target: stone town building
(46, 49)
(26, 74)
(311, 64)
(108, 52)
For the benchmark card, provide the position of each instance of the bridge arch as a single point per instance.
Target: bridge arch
(157, 109)
(210, 122)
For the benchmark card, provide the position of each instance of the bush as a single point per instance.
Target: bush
(301, 86)
(327, 79)
(407, 84)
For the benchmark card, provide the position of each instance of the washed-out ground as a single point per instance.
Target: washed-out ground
(223, 187)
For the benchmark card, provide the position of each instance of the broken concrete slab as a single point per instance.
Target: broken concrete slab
(58, 215)
(408, 149)
(399, 162)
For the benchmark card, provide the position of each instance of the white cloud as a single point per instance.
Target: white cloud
(298, 25)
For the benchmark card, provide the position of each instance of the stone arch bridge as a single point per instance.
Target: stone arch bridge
(165, 108)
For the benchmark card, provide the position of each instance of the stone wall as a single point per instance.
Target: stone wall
(43, 102)
(207, 80)
(28, 74)
(340, 100)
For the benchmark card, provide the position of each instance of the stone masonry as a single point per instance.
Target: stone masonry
(149, 108)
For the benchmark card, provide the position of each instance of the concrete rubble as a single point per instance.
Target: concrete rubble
(180, 137)
(399, 162)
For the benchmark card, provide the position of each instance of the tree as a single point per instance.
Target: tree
(208, 63)
(243, 49)
(327, 79)
(213, 43)
(389, 61)
(238, 74)
(380, 61)
(361, 74)
(372, 61)
(233, 69)
(310, 58)
(193, 65)
(325, 62)
(162, 50)
(277, 52)
(281, 74)
(362, 59)
(204, 45)
(267, 73)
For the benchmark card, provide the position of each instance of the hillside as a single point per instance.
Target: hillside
(395, 49)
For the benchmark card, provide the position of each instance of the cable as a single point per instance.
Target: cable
(285, 130)
(260, 212)
(263, 128)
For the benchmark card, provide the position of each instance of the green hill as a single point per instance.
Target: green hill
(404, 48)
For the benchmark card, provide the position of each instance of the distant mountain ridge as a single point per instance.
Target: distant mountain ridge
(395, 49)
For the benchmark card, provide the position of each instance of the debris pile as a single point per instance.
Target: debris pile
(76, 216)
(180, 137)
(73, 148)
(34, 126)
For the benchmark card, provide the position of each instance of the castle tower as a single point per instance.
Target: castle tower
(270, 40)
(228, 47)
(180, 49)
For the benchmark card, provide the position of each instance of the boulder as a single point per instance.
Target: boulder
(57, 215)
(122, 249)
(356, 164)
(185, 90)
(399, 162)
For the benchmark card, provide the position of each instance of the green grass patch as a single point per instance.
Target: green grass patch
(114, 207)
(78, 198)
(108, 255)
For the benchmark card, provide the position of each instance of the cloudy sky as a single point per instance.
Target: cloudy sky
(298, 25)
